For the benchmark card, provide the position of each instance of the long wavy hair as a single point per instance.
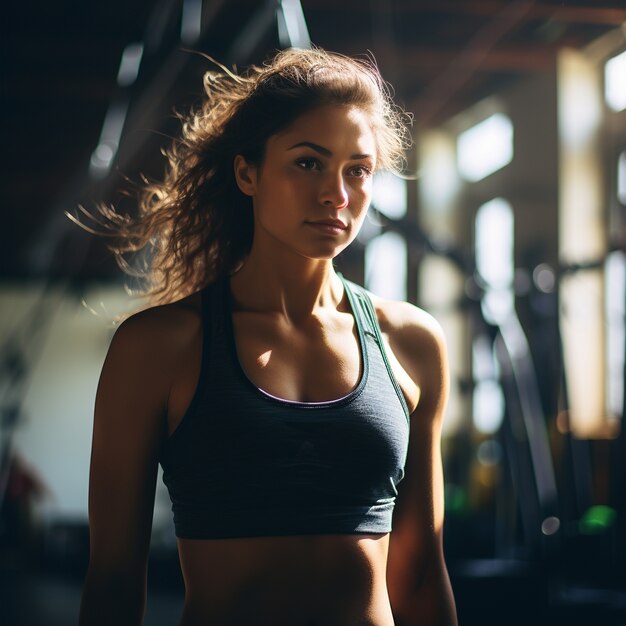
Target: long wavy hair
(195, 225)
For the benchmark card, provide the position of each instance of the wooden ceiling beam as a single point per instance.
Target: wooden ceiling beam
(613, 15)
(428, 59)
(540, 11)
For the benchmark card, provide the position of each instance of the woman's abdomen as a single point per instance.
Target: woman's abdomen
(331, 580)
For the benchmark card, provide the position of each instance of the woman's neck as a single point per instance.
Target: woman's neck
(294, 287)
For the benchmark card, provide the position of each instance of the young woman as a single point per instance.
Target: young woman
(279, 398)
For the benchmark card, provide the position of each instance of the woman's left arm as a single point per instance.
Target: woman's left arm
(419, 586)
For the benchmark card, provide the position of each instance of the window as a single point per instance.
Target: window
(493, 243)
(615, 295)
(385, 266)
(621, 178)
(615, 82)
(485, 148)
(389, 195)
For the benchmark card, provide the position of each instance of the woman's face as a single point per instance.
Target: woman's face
(311, 192)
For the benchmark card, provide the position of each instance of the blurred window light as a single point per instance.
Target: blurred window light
(483, 363)
(487, 396)
(385, 266)
(621, 178)
(441, 285)
(439, 181)
(615, 295)
(485, 147)
(493, 242)
(615, 82)
(488, 406)
(389, 195)
(498, 305)
(583, 240)
(579, 99)
(583, 331)
(191, 21)
(129, 65)
(582, 219)
(372, 227)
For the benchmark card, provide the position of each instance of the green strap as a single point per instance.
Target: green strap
(365, 310)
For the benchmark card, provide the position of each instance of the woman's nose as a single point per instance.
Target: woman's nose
(334, 193)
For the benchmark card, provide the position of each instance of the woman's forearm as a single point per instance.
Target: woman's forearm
(112, 599)
(430, 603)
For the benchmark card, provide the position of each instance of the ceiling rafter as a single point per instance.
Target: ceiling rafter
(429, 60)
(540, 11)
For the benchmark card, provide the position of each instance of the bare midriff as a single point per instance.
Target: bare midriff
(313, 580)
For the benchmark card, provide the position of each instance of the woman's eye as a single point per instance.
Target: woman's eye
(360, 171)
(308, 164)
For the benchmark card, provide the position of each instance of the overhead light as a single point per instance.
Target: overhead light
(110, 137)
(292, 28)
(129, 64)
(191, 21)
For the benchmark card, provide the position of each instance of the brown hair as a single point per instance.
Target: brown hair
(195, 225)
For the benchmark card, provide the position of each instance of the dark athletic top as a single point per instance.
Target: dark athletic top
(243, 463)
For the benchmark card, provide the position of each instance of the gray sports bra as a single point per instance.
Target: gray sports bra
(243, 463)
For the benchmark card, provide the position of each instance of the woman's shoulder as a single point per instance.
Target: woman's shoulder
(406, 322)
(163, 316)
(416, 338)
(161, 331)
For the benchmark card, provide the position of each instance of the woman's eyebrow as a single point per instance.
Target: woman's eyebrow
(325, 151)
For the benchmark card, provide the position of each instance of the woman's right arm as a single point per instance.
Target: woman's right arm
(129, 424)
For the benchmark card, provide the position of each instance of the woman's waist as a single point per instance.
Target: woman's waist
(307, 573)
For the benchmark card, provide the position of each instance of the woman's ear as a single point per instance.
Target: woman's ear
(245, 175)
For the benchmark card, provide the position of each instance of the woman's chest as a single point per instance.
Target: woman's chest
(314, 362)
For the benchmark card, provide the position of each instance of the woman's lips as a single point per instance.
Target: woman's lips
(331, 227)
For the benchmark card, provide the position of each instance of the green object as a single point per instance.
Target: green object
(455, 499)
(597, 519)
